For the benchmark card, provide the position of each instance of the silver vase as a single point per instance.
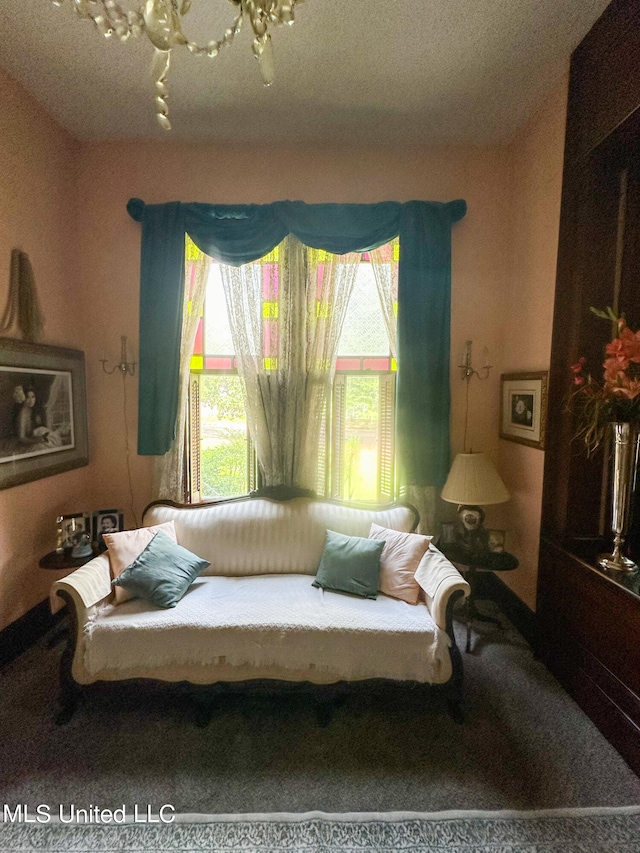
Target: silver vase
(626, 453)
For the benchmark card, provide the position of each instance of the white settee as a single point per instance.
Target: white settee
(254, 614)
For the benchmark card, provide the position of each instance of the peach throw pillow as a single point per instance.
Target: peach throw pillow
(399, 560)
(125, 546)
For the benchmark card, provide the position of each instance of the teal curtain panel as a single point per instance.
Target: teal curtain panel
(237, 234)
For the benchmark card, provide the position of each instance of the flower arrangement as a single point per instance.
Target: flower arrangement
(617, 396)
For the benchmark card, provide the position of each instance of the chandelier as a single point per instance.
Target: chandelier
(161, 22)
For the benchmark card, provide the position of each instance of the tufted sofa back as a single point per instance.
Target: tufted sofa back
(256, 536)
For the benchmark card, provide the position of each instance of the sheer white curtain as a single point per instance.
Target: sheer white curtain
(384, 261)
(286, 313)
(169, 470)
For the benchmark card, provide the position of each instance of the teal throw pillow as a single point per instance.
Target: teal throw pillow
(162, 573)
(350, 564)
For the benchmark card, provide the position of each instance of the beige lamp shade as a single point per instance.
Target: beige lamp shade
(474, 480)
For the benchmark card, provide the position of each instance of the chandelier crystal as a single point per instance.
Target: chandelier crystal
(161, 22)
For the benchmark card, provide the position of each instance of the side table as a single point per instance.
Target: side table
(499, 561)
(59, 562)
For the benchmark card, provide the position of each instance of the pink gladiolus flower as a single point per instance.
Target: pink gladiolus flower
(613, 371)
(626, 348)
(616, 396)
(631, 344)
(629, 389)
(615, 350)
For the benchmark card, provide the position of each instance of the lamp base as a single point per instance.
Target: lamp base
(471, 536)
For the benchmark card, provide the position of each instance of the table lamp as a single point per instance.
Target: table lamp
(473, 482)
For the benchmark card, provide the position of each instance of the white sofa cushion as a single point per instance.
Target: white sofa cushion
(270, 621)
(400, 558)
(262, 536)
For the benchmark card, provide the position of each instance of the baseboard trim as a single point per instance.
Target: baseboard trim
(20, 635)
(516, 611)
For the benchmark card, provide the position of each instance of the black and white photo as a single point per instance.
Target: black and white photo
(106, 521)
(43, 420)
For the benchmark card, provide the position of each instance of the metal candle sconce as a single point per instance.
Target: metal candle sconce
(467, 370)
(125, 367)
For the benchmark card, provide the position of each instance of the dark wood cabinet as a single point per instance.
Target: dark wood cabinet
(605, 84)
(589, 622)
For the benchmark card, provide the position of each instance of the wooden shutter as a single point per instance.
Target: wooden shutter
(338, 435)
(194, 467)
(324, 453)
(386, 438)
(253, 469)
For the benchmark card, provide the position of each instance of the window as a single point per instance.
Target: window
(356, 452)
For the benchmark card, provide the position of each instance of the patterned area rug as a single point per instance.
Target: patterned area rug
(589, 830)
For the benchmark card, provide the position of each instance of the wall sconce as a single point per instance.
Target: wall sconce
(466, 368)
(125, 367)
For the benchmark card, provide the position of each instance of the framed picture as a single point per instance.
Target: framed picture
(523, 408)
(447, 533)
(106, 521)
(43, 411)
(496, 541)
(71, 527)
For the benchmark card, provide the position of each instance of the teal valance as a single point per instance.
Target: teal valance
(237, 234)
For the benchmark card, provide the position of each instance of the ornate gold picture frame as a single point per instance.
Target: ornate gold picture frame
(523, 408)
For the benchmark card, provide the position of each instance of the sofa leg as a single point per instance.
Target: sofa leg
(454, 706)
(68, 706)
(69, 692)
(203, 715)
(205, 706)
(324, 712)
(69, 688)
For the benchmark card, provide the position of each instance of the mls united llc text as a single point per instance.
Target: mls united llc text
(22, 813)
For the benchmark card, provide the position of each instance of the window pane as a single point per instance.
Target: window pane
(217, 336)
(360, 453)
(223, 444)
(363, 332)
(354, 441)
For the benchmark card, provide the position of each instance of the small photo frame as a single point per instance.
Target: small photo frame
(69, 529)
(447, 533)
(523, 408)
(496, 541)
(106, 521)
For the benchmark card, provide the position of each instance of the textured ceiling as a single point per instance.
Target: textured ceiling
(385, 71)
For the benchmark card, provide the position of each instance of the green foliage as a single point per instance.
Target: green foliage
(224, 467)
(606, 315)
(352, 448)
(224, 394)
(362, 400)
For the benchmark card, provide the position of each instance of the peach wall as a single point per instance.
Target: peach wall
(37, 215)
(65, 204)
(536, 185)
(112, 173)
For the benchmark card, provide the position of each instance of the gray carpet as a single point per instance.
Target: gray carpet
(524, 745)
(569, 831)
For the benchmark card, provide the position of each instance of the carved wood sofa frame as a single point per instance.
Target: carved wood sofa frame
(206, 699)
